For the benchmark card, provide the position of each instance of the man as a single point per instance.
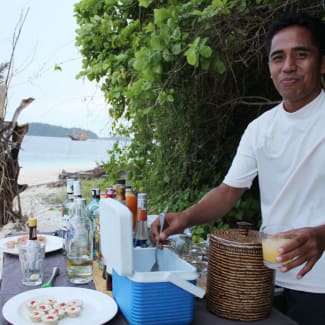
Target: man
(285, 148)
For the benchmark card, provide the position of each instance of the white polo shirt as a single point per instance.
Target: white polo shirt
(287, 153)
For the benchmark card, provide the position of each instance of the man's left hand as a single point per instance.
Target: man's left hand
(306, 247)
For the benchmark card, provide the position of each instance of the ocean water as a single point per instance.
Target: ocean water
(62, 153)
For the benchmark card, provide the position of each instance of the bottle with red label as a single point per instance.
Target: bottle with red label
(131, 203)
(141, 235)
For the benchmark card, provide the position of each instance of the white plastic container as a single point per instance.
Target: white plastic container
(144, 297)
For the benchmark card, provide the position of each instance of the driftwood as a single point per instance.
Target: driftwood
(9, 172)
(11, 137)
(97, 172)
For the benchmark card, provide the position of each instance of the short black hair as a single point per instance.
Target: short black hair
(314, 25)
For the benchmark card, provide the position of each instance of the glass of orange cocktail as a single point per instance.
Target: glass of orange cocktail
(273, 237)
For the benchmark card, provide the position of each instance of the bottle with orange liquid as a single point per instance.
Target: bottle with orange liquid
(131, 203)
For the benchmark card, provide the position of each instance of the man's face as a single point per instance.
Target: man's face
(295, 66)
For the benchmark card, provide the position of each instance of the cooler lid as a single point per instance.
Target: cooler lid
(116, 236)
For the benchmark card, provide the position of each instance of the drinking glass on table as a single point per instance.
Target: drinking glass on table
(273, 237)
(31, 259)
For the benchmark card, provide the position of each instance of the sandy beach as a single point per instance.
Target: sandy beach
(36, 200)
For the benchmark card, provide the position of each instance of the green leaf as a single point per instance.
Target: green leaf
(191, 57)
(57, 68)
(155, 43)
(206, 51)
(170, 98)
(176, 48)
(160, 16)
(219, 66)
(144, 3)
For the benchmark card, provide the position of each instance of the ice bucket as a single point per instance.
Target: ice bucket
(145, 297)
(239, 286)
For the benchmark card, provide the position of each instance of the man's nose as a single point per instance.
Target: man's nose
(290, 64)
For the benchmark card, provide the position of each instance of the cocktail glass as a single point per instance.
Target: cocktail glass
(273, 237)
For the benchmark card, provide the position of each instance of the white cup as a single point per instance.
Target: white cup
(31, 257)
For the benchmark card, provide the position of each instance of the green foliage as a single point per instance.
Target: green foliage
(179, 77)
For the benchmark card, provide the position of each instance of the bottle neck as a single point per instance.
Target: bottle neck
(79, 208)
(33, 233)
(70, 196)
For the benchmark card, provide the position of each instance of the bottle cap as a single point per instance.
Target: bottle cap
(70, 185)
(95, 192)
(142, 196)
(120, 181)
(32, 222)
(76, 188)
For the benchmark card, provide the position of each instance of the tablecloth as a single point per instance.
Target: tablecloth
(10, 286)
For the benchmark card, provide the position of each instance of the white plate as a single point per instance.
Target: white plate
(53, 243)
(98, 308)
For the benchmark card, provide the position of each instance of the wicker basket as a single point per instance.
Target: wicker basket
(239, 286)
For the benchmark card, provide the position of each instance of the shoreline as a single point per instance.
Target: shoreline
(41, 175)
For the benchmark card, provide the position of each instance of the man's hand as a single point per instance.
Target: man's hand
(306, 247)
(174, 224)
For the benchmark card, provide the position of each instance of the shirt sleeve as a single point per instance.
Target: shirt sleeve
(243, 169)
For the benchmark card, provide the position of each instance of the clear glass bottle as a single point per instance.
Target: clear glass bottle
(141, 235)
(93, 205)
(76, 189)
(93, 212)
(79, 245)
(66, 205)
(76, 185)
(31, 256)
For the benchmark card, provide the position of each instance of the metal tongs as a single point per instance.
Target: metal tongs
(155, 266)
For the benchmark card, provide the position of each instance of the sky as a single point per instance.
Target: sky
(47, 40)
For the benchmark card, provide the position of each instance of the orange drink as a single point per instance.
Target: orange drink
(273, 237)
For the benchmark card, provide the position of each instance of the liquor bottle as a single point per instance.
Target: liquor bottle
(76, 184)
(79, 249)
(131, 203)
(93, 205)
(110, 193)
(31, 256)
(66, 205)
(93, 212)
(141, 236)
(119, 188)
(77, 193)
(32, 224)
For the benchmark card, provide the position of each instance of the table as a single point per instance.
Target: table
(10, 286)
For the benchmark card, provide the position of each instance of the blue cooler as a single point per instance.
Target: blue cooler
(145, 297)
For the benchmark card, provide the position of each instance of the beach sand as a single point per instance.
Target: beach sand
(37, 200)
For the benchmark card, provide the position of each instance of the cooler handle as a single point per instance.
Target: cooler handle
(185, 285)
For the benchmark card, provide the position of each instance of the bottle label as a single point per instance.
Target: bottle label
(141, 243)
(70, 233)
(142, 215)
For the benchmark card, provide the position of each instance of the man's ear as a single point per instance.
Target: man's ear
(322, 66)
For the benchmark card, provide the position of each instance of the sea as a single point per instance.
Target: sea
(53, 154)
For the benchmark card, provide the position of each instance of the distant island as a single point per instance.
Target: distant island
(49, 130)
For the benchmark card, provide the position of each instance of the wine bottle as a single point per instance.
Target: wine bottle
(141, 236)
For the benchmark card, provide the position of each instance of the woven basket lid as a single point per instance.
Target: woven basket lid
(237, 237)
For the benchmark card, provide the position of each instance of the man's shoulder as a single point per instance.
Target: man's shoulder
(267, 116)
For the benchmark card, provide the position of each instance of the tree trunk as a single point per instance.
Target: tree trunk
(9, 171)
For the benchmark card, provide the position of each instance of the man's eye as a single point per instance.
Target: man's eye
(276, 58)
(301, 55)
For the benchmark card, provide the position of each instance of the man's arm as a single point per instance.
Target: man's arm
(212, 206)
